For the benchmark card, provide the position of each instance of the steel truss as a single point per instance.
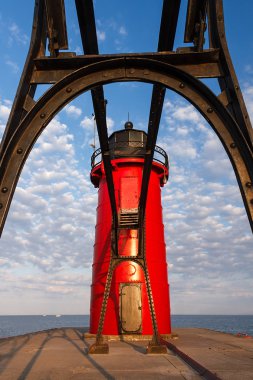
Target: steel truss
(179, 70)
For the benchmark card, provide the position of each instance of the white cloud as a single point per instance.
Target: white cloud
(72, 110)
(5, 110)
(110, 125)
(87, 123)
(51, 221)
(13, 65)
(101, 35)
(15, 34)
(249, 69)
(182, 112)
(122, 31)
(248, 96)
(182, 131)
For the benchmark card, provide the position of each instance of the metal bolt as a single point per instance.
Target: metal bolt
(132, 71)
(42, 115)
(1, 206)
(68, 89)
(248, 184)
(232, 145)
(4, 189)
(182, 85)
(19, 151)
(209, 110)
(237, 87)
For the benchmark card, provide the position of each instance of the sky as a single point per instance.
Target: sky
(46, 248)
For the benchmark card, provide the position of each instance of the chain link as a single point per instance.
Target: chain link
(149, 291)
(99, 337)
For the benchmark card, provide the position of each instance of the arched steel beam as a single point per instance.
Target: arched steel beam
(26, 90)
(228, 81)
(117, 70)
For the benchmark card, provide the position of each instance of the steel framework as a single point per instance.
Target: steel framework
(178, 70)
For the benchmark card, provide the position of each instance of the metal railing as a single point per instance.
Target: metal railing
(124, 149)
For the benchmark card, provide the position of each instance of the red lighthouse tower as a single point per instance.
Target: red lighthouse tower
(138, 298)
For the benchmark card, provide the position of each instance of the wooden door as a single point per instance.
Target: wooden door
(130, 308)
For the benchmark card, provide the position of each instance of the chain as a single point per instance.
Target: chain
(99, 338)
(155, 338)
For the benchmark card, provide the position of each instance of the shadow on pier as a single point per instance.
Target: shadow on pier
(39, 349)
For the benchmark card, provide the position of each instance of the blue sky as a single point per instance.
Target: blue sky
(46, 247)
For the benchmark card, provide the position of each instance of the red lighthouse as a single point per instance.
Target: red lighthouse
(134, 293)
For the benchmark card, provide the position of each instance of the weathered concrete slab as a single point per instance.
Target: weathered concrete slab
(62, 354)
(228, 356)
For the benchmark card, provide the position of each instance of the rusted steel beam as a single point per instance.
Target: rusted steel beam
(76, 62)
(87, 25)
(56, 26)
(168, 24)
(25, 89)
(167, 33)
(201, 70)
(229, 82)
(195, 24)
(153, 126)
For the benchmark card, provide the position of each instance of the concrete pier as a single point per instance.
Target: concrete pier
(62, 354)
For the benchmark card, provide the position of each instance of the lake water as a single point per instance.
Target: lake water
(22, 324)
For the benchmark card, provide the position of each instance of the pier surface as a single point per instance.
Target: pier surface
(62, 354)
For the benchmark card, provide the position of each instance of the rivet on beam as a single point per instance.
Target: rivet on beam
(42, 115)
(1, 206)
(182, 85)
(4, 189)
(68, 89)
(248, 184)
(251, 201)
(232, 145)
(209, 110)
(19, 151)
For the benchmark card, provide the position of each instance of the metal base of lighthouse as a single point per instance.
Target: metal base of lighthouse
(99, 348)
(154, 347)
